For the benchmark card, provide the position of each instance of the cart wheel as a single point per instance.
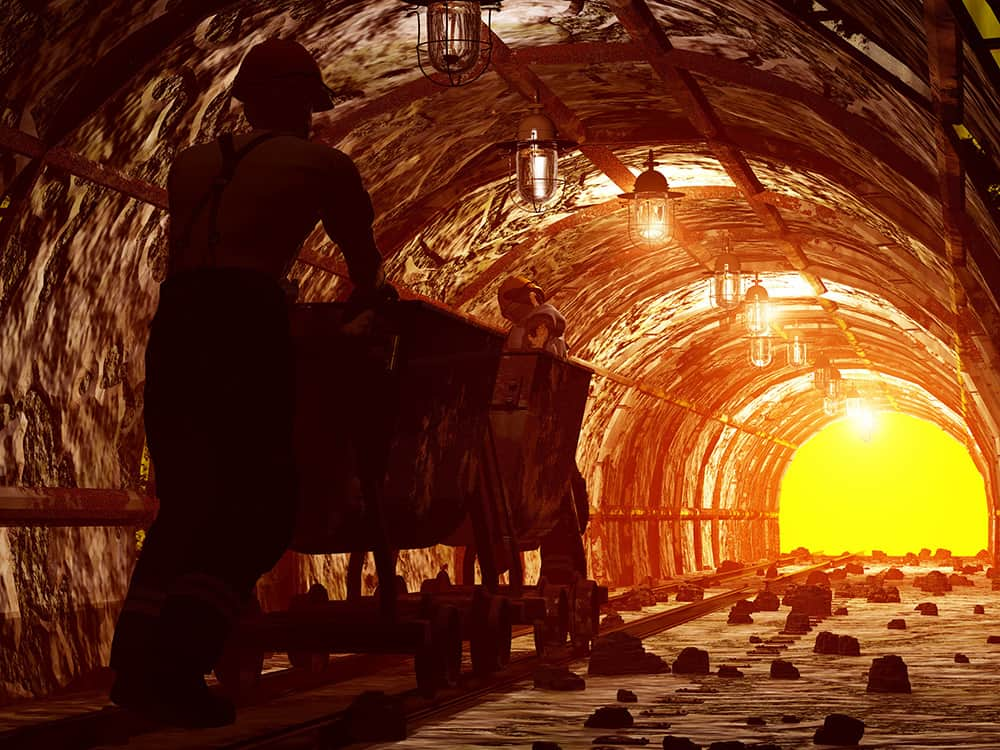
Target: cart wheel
(238, 670)
(583, 610)
(312, 661)
(427, 665)
(500, 629)
(447, 630)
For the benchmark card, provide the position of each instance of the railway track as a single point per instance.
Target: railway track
(321, 732)
(111, 726)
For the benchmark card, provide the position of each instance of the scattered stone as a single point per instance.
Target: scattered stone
(838, 645)
(800, 552)
(740, 613)
(854, 568)
(790, 719)
(888, 674)
(728, 671)
(818, 578)
(840, 729)
(815, 601)
(691, 660)
(545, 745)
(690, 592)
(926, 608)
(797, 623)
(972, 569)
(612, 621)
(626, 696)
(984, 556)
(784, 670)
(993, 639)
(837, 574)
(911, 559)
(839, 611)
(728, 566)
(989, 572)
(772, 571)
(621, 653)
(897, 624)
(942, 554)
(924, 554)
(610, 717)
(557, 678)
(619, 739)
(879, 556)
(978, 609)
(934, 582)
(679, 743)
(886, 595)
(756, 639)
(961, 659)
(894, 574)
(766, 601)
(756, 721)
(959, 580)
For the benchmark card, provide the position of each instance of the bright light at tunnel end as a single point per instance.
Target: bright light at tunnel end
(883, 480)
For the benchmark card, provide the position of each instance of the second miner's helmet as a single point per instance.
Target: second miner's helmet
(279, 63)
(514, 296)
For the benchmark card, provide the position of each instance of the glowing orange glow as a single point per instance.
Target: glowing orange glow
(911, 485)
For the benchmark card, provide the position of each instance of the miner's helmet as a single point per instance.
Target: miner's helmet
(280, 63)
(514, 293)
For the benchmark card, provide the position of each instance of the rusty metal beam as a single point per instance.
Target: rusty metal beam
(640, 23)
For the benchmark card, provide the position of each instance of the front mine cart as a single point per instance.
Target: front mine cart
(388, 436)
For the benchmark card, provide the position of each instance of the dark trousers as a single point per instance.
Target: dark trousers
(219, 407)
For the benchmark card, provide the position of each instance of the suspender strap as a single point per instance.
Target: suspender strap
(212, 200)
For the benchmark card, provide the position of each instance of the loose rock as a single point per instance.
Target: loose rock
(840, 611)
(855, 568)
(959, 580)
(813, 600)
(840, 729)
(797, 623)
(894, 574)
(766, 601)
(879, 556)
(790, 719)
(610, 717)
(756, 721)
(961, 659)
(897, 624)
(993, 639)
(927, 608)
(728, 671)
(784, 670)
(934, 582)
(884, 595)
(690, 592)
(557, 678)
(888, 674)
(679, 743)
(978, 609)
(728, 566)
(818, 578)
(545, 745)
(621, 653)
(756, 639)
(740, 613)
(772, 571)
(626, 696)
(613, 620)
(838, 645)
(691, 660)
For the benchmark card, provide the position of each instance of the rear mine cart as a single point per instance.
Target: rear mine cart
(395, 450)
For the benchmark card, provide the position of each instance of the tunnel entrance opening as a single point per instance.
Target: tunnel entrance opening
(896, 485)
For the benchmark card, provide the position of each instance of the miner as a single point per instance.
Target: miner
(219, 378)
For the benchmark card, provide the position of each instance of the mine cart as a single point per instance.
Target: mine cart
(389, 431)
(535, 417)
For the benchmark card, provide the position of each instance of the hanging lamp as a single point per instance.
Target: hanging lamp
(727, 279)
(534, 161)
(455, 51)
(798, 351)
(651, 208)
(757, 309)
(761, 351)
(821, 372)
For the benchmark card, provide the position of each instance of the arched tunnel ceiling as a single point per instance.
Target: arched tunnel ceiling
(824, 168)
